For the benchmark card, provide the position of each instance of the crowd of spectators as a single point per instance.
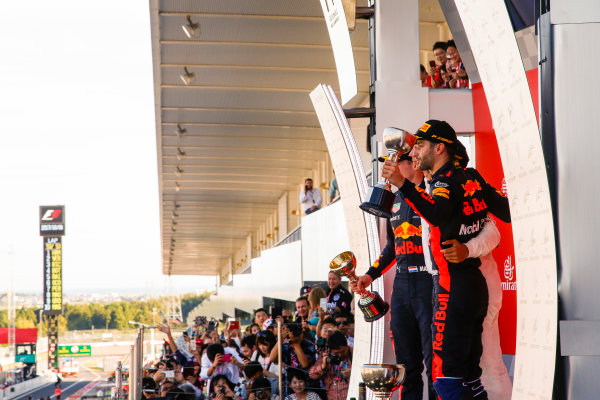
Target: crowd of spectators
(206, 362)
(446, 70)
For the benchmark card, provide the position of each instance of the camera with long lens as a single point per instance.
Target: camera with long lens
(333, 359)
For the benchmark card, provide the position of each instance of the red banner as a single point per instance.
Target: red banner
(488, 163)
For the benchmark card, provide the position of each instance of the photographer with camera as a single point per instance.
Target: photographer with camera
(310, 198)
(261, 390)
(252, 371)
(334, 368)
(296, 352)
(222, 388)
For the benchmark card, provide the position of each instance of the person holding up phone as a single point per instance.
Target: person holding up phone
(221, 361)
(310, 198)
(439, 52)
(221, 388)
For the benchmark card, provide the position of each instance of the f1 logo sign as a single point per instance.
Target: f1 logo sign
(51, 215)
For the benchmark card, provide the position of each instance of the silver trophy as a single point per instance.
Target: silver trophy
(397, 141)
(383, 379)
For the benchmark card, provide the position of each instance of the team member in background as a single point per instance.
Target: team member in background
(411, 307)
(338, 298)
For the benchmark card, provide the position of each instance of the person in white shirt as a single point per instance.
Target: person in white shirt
(217, 360)
(310, 198)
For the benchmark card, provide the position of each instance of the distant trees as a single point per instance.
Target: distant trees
(105, 316)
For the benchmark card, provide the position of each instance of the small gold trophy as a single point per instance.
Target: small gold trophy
(383, 379)
(370, 303)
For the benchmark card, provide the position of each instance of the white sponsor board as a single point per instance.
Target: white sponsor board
(361, 227)
(335, 18)
(496, 53)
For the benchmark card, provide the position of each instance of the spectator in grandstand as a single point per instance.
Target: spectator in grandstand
(439, 52)
(333, 189)
(234, 334)
(425, 78)
(260, 316)
(248, 348)
(314, 301)
(445, 77)
(149, 388)
(221, 388)
(302, 309)
(221, 361)
(455, 67)
(261, 390)
(305, 291)
(179, 357)
(265, 341)
(335, 368)
(326, 328)
(178, 394)
(252, 371)
(255, 328)
(165, 387)
(191, 392)
(193, 378)
(159, 377)
(297, 381)
(287, 316)
(232, 344)
(338, 298)
(345, 324)
(310, 198)
(296, 351)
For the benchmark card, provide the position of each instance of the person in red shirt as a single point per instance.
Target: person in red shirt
(57, 393)
(455, 67)
(425, 78)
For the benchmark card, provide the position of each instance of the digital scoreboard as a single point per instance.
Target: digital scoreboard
(52, 275)
(52, 228)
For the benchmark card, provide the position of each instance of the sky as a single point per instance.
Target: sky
(77, 127)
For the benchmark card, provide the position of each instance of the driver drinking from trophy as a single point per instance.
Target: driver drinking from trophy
(411, 302)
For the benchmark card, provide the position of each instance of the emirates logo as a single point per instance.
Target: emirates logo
(509, 269)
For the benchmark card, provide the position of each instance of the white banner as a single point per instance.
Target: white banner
(335, 18)
(500, 67)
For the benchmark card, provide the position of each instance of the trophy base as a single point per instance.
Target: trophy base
(380, 202)
(373, 308)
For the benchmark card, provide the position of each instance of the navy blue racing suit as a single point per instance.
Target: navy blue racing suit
(411, 303)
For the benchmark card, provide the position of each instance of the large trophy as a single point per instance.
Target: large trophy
(383, 379)
(370, 303)
(397, 141)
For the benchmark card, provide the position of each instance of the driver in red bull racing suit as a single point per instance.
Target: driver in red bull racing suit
(456, 209)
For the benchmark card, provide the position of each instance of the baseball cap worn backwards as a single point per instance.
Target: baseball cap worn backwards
(437, 131)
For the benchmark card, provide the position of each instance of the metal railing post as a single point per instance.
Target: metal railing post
(119, 381)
